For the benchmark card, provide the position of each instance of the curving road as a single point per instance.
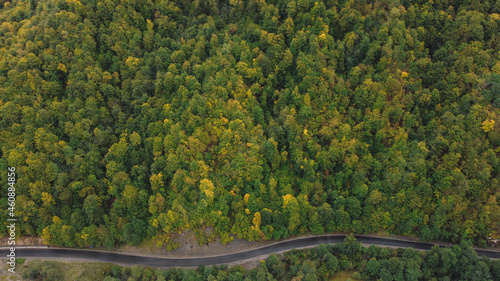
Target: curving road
(102, 256)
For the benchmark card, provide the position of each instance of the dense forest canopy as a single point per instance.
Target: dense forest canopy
(134, 120)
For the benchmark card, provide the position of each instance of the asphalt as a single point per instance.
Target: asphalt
(118, 258)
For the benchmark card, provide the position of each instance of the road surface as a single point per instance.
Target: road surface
(118, 258)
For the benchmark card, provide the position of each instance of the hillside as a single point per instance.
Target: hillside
(133, 120)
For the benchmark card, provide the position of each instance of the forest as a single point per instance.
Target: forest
(135, 120)
(371, 264)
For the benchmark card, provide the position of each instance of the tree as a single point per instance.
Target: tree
(372, 268)
(134, 231)
(315, 224)
(93, 209)
(291, 207)
(388, 114)
(332, 263)
(351, 248)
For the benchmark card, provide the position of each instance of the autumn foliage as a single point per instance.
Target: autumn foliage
(131, 121)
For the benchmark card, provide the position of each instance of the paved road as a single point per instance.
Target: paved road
(101, 256)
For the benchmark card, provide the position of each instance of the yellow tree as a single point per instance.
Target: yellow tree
(207, 188)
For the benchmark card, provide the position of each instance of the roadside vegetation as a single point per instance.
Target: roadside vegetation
(130, 121)
(326, 262)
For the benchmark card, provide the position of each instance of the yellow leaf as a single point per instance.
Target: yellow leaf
(256, 220)
(488, 125)
(62, 67)
(56, 219)
(46, 235)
